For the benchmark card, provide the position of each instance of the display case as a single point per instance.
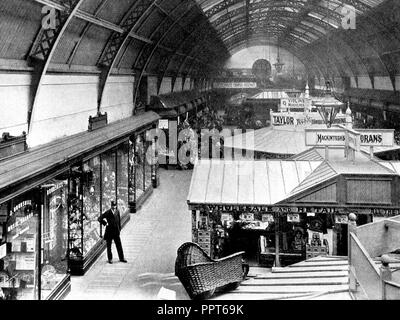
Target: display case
(122, 179)
(19, 254)
(91, 203)
(139, 166)
(54, 239)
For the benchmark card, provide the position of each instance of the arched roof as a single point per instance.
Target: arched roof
(195, 37)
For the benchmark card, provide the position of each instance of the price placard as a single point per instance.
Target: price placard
(293, 217)
(267, 217)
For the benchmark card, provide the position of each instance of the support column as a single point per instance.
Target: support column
(277, 259)
(194, 226)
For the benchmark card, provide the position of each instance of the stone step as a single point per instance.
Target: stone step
(260, 296)
(296, 281)
(316, 274)
(290, 288)
(312, 264)
(310, 269)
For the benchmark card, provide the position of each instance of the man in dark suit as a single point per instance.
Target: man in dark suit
(112, 220)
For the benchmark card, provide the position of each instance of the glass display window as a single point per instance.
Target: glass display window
(54, 233)
(75, 214)
(139, 165)
(147, 164)
(131, 173)
(19, 252)
(122, 179)
(109, 179)
(91, 203)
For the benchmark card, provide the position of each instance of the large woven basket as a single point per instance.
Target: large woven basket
(201, 275)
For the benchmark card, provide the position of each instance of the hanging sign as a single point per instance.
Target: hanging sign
(293, 217)
(341, 219)
(247, 216)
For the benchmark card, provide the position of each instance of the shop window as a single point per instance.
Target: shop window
(91, 203)
(122, 179)
(75, 214)
(19, 252)
(147, 165)
(54, 226)
(108, 179)
(139, 166)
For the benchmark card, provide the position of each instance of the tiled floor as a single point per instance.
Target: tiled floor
(150, 240)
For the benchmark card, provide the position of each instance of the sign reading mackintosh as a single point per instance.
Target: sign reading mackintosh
(325, 137)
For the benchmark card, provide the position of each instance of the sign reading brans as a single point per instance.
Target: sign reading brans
(339, 137)
(377, 137)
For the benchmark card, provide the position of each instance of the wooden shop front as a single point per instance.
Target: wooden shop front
(282, 211)
(51, 197)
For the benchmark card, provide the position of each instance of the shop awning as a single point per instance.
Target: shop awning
(33, 167)
(270, 182)
(223, 182)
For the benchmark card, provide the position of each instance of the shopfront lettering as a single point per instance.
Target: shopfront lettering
(19, 222)
(328, 138)
(21, 205)
(56, 187)
(283, 120)
(371, 138)
(385, 212)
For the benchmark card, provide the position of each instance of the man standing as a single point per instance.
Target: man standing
(112, 220)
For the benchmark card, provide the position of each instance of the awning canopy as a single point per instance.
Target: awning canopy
(26, 171)
(225, 182)
(265, 183)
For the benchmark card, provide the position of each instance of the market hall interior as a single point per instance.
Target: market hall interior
(217, 127)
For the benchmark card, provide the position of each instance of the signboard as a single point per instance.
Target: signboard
(234, 85)
(247, 216)
(299, 118)
(295, 103)
(376, 138)
(163, 124)
(325, 137)
(341, 219)
(293, 217)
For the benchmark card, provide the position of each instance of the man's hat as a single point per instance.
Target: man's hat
(113, 204)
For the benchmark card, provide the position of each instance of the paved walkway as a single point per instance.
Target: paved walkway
(150, 240)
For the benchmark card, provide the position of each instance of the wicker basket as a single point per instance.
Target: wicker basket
(201, 275)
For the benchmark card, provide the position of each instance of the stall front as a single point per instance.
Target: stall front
(51, 197)
(282, 211)
(177, 111)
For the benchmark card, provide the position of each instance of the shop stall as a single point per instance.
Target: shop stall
(51, 197)
(284, 211)
(175, 109)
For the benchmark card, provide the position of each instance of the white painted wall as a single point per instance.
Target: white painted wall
(364, 82)
(118, 98)
(64, 104)
(14, 100)
(353, 82)
(178, 85)
(63, 107)
(166, 85)
(187, 85)
(383, 83)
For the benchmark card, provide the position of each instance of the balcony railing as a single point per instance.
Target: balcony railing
(369, 245)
